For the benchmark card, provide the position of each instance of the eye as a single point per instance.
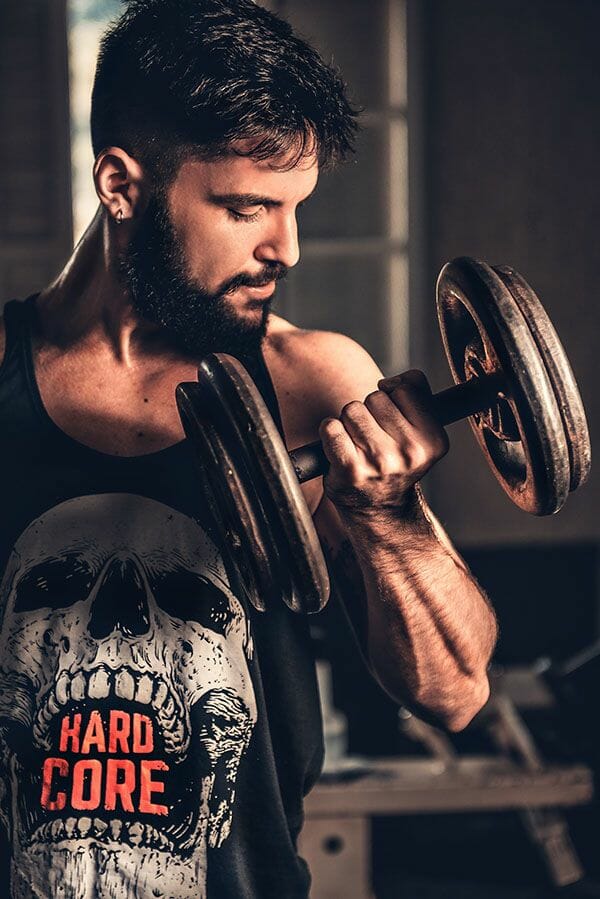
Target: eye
(54, 584)
(238, 216)
(191, 597)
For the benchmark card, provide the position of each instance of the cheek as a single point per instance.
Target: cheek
(215, 249)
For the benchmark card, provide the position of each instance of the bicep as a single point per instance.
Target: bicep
(333, 370)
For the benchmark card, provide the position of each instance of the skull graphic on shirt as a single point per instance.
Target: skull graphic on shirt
(126, 703)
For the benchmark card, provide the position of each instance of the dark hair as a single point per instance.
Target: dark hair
(187, 77)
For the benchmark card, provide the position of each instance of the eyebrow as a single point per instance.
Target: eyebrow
(243, 200)
(248, 200)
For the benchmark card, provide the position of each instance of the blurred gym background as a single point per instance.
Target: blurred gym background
(481, 137)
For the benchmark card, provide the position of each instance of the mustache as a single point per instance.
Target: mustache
(274, 272)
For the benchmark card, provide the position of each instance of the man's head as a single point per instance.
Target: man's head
(210, 121)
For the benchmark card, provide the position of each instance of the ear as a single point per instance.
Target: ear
(121, 184)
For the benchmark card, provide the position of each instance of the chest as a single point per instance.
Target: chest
(115, 411)
(134, 412)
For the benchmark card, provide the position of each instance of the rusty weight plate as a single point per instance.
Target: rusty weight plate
(522, 435)
(559, 371)
(250, 482)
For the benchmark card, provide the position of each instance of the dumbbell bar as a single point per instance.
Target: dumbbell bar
(447, 407)
(512, 379)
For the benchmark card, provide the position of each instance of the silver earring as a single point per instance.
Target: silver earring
(119, 217)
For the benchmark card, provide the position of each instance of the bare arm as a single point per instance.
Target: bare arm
(424, 625)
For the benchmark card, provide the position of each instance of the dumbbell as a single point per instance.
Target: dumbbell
(512, 380)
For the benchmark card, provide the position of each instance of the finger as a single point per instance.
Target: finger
(413, 377)
(379, 453)
(389, 417)
(338, 446)
(366, 432)
(411, 393)
(418, 445)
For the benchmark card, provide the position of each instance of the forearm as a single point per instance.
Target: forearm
(430, 629)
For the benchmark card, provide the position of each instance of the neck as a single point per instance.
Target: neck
(87, 305)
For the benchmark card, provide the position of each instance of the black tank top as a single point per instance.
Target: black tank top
(157, 735)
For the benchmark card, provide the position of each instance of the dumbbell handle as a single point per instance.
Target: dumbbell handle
(448, 406)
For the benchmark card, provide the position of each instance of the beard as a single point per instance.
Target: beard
(153, 271)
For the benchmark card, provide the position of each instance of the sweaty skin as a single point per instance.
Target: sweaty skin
(107, 377)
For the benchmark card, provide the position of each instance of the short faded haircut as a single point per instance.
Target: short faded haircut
(181, 78)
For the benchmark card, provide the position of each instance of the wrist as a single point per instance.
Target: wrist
(389, 523)
(364, 503)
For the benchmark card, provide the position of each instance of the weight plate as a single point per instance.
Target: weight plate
(521, 434)
(225, 493)
(561, 376)
(257, 499)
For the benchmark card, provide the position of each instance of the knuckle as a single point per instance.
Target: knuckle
(331, 431)
(383, 461)
(414, 383)
(359, 475)
(421, 456)
(374, 398)
(353, 411)
(437, 445)
(428, 452)
(390, 462)
(405, 459)
(328, 426)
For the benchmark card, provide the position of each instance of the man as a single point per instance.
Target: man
(157, 735)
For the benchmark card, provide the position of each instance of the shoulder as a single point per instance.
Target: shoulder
(315, 373)
(321, 366)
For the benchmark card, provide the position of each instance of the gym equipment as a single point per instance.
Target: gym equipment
(512, 776)
(573, 683)
(512, 380)
(532, 429)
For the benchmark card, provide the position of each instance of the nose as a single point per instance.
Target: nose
(281, 244)
(121, 602)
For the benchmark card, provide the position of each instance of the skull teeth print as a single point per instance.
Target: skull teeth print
(126, 697)
(133, 833)
(101, 683)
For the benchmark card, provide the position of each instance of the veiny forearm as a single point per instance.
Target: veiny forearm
(430, 629)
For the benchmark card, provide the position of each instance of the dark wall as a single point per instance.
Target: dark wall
(508, 153)
(35, 190)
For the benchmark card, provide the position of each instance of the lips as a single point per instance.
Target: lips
(263, 291)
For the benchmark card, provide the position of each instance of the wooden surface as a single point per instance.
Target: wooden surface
(413, 786)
